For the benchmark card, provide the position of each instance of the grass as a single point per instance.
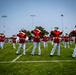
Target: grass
(37, 68)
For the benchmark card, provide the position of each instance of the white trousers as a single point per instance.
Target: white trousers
(1, 45)
(14, 45)
(54, 48)
(45, 44)
(63, 42)
(70, 42)
(74, 53)
(34, 48)
(51, 42)
(75, 45)
(66, 44)
(23, 45)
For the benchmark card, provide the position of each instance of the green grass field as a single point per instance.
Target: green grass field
(37, 65)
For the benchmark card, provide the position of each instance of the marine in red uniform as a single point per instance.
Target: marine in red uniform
(51, 39)
(70, 39)
(66, 40)
(36, 39)
(14, 37)
(74, 52)
(56, 33)
(2, 39)
(45, 40)
(62, 39)
(74, 33)
(22, 40)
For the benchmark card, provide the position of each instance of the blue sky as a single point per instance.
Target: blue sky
(47, 14)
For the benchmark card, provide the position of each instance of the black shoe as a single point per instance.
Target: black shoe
(32, 54)
(17, 53)
(73, 57)
(51, 55)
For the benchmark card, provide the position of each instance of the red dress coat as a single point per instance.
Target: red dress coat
(74, 32)
(22, 37)
(45, 38)
(2, 38)
(36, 33)
(14, 39)
(56, 35)
(51, 38)
(66, 38)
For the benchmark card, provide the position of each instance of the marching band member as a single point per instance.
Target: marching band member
(51, 39)
(22, 44)
(62, 39)
(74, 52)
(36, 39)
(70, 39)
(45, 41)
(66, 40)
(14, 37)
(56, 33)
(2, 39)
